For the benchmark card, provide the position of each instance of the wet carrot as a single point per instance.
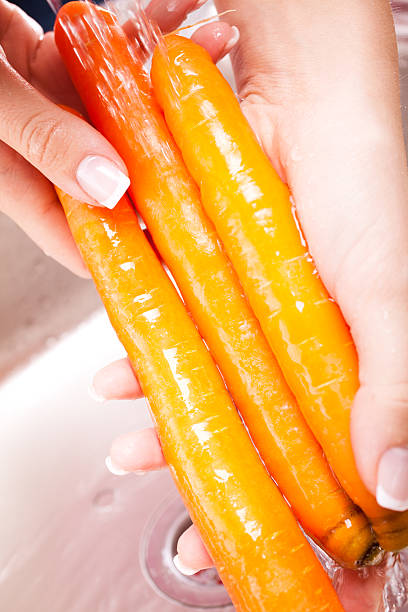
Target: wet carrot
(251, 210)
(250, 532)
(169, 203)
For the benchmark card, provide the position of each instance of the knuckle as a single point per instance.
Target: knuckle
(43, 140)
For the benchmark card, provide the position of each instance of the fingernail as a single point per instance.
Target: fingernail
(102, 180)
(114, 469)
(183, 569)
(233, 40)
(95, 395)
(117, 471)
(392, 481)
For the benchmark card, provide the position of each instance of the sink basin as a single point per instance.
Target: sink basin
(74, 537)
(71, 532)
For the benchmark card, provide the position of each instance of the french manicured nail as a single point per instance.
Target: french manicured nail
(117, 471)
(183, 569)
(102, 180)
(114, 469)
(392, 481)
(95, 395)
(233, 40)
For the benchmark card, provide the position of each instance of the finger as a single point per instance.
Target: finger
(192, 555)
(16, 25)
(169, 14)
(49, 75)
(217, 37)
(37, 60)
(380, 411)
(137, 451)
(116, 381)
(63, 147)
(30, 200)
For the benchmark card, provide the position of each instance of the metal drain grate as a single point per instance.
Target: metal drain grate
(159, 545)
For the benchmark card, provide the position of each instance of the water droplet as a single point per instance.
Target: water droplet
(103, 500)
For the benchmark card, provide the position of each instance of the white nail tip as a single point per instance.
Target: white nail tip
(113, 469)
(95, 396)
(385, 500)
(183, 569)
(121, 188)
(234, 39)
(102, 180)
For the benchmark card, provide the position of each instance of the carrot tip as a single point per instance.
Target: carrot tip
(373, 556)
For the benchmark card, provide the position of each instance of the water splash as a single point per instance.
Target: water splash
(393, 571)
(54, 5)
(400, 14)
(115, 85)
(143, 33)
(395, 593)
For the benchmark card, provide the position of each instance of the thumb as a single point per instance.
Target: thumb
(379, 424)
(64, 148)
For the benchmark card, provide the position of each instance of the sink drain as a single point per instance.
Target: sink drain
(158, 548)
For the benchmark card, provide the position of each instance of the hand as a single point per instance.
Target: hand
(323, 97)
(41, 144)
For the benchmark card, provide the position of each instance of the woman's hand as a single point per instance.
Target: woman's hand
(41, 144)
(323, 97)
(319, 86)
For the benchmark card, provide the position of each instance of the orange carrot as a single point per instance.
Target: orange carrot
(250, 207)
(169, 203)
(260, 552)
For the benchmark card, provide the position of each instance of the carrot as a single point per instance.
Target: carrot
(250, 532)
(251, 210)
(169, 203)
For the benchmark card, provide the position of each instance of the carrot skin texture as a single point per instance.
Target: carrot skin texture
(263, 558)
(168, 200)
(251, 210)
